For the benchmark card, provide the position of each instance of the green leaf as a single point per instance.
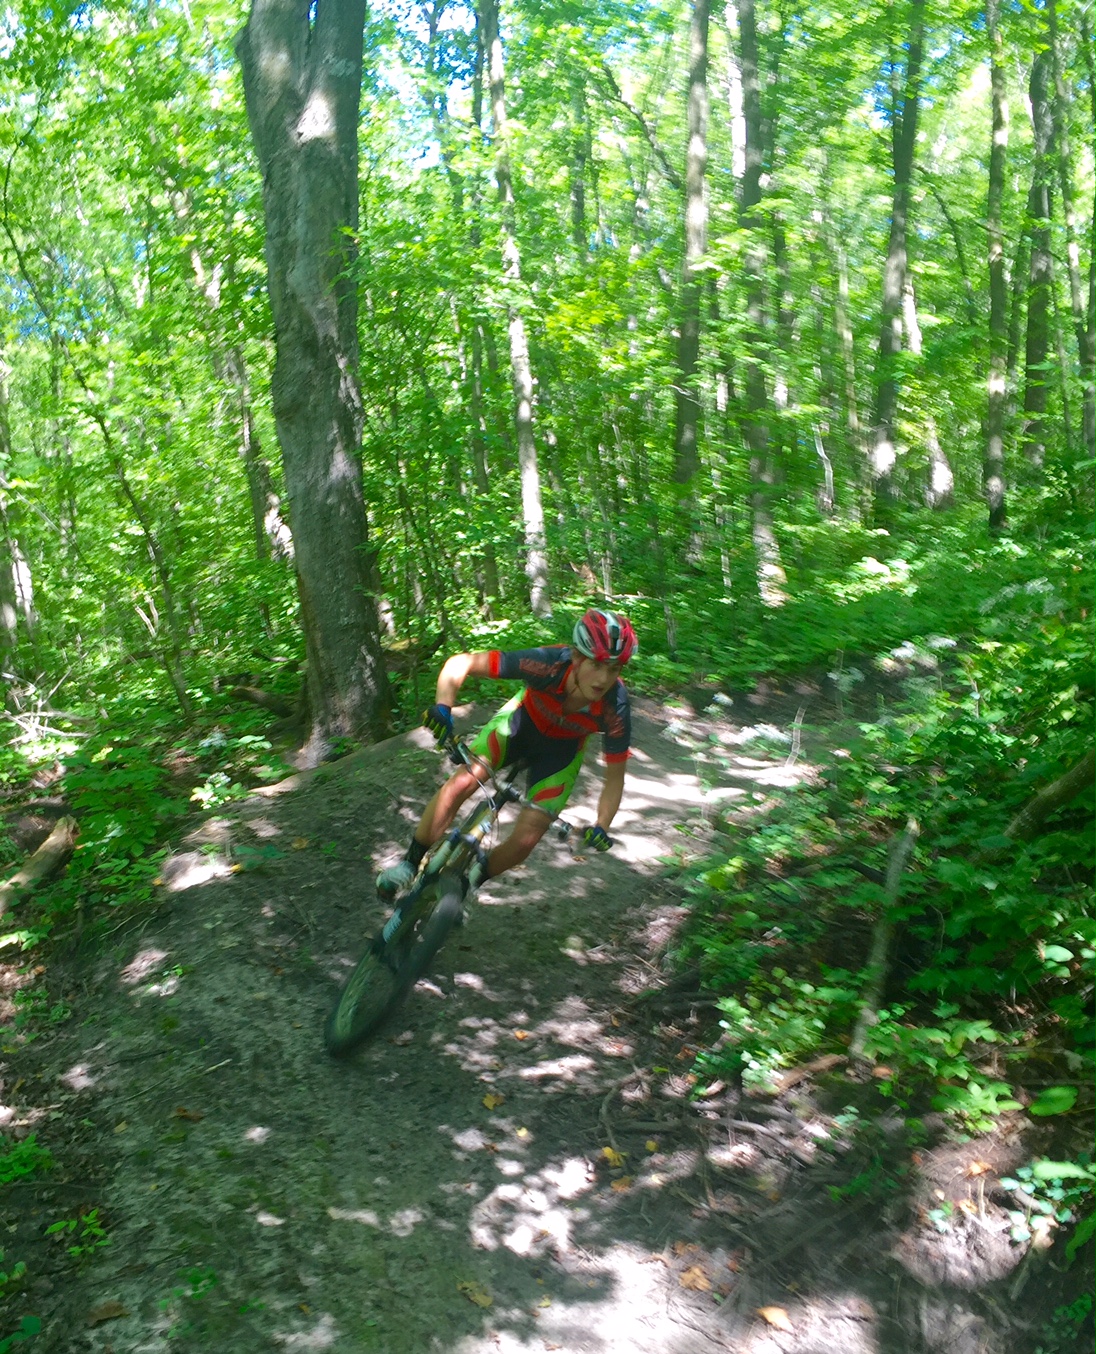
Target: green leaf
(1081, 1234)
(1057, 954)
(1062, 1170)
(1054, 1100)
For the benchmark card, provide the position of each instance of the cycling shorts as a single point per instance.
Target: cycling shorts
(552, 765)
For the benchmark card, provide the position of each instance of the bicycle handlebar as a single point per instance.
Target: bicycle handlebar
(461, 754)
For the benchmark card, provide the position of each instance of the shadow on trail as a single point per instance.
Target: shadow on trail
(514, 1164)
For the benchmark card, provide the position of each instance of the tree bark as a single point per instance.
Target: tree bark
(993, 473)
(903, 140)
(488, 577)
(771, 578)
(687, 420)
(941, 485)
(302, 69)
(50, 857)
(521, 371)
(1082, 314)
(1029, 821)
(580, 155)
(1040, 270)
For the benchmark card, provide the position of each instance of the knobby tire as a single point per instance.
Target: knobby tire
(373, 990)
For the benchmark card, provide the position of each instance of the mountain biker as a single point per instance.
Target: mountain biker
(570, 692)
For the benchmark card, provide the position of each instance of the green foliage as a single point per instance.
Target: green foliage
(996, 936)
(29, 1327)
(22, 1160)
(1049, 1194)
(1062, 1331)
(84, 1234)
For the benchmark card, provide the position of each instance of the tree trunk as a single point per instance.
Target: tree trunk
(1082, 321)
(9, 612)
(302, 68)
(1040, 270)
(1029, 821)
(941, 484)
(771, 579)
(686, 424)
(580, 155)
(270, 530)
(521, 371)
(489, 575)
(903, 140)
(993, 474)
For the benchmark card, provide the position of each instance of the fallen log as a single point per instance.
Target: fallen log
(50, 858)
(1029, 821)
(266, 700)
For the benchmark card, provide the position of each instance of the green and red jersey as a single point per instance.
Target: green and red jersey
(544, 672)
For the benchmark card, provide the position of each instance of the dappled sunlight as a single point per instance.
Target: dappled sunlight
(142, 966)
(817, 1325)
(79, 1078)
(322, 1335)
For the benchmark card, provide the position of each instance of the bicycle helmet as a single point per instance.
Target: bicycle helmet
(605, 637)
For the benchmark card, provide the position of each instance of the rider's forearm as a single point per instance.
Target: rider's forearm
(611, 792)
(456, 672)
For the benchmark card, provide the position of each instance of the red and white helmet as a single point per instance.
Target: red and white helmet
(605, 637)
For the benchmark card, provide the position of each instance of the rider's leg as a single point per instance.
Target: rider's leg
(438, 815)
(530, 826)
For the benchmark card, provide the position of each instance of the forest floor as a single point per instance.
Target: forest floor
(519, 1162)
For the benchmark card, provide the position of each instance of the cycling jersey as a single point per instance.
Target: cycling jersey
(544, 672)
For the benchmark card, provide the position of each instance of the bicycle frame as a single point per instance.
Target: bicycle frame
(463, 845)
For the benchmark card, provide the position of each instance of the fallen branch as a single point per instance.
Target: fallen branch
(48, 860)
(1029, 821)
(879, 955)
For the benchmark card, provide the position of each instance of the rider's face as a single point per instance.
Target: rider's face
(594, 680)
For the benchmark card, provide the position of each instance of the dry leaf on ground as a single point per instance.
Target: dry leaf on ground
(778, 1317)
(195, 1116)
(685, 1247)
(625, 1182)
(977, 1168)
(106, 1311)
(299, 843)
(476, 1293)
(493, 1100)
(613, 1157)
(696, 1278)
(521, 1034)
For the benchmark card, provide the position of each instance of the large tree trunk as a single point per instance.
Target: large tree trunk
(1040, 270)
(686, 452)
(302, 68)
(903, 140)
(993, 475)
(771, 579)
(1082, 314)
(521, 370)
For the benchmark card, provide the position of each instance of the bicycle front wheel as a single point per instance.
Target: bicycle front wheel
(434, 931)
(371, 992)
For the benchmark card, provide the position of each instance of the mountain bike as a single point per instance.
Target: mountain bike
(433, 904)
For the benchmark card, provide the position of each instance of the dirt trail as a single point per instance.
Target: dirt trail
(448, 1188)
